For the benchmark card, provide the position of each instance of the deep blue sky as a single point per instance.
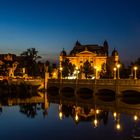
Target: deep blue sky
(50, 25)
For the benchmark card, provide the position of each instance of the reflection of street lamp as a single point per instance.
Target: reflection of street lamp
(118, 126)
(117, 119)
(115, 114)
(76, 117)
(135, 72)
(115, 72)
(95, 121)
(76, 114)
(118, 67)
(60, 112)
(135, 117)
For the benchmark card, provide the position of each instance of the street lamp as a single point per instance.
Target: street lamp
(95, 72)
(135, 72)
(118, 67)
(77, 71)
(115, 69)
(61, 72)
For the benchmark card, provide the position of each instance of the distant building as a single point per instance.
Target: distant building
(8, 64)
(95, 54)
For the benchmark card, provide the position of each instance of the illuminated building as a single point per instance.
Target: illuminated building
(96, 55)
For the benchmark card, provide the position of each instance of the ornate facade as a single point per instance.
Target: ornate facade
(96, 55)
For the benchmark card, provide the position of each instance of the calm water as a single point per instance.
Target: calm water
(56, 118)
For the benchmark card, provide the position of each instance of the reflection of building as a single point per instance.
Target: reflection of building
(96, 55)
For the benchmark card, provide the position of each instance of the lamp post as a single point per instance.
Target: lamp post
(61, 72)
(77, 72)
(95, 72)
(115, 72)
(118, 67)
(135, 72)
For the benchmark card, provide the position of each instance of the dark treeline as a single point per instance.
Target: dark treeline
(33, 66)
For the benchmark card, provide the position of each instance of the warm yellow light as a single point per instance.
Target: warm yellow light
(97, 111)
(115, 69)
(135, 117)
(60, 115)
(76, 68)
(76, 117)
(118, 126)
(114, 114)
(61, 68)
(95, 67)
(54, 74)
(95, 122)
(135, 67)
(118, 66)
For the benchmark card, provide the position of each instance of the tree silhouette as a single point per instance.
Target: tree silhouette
(28, 61)
(103, 70)
(87, 69)
(31, 53)
(68, 68)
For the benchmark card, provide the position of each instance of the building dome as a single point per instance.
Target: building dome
(63, 53)
(115, 52)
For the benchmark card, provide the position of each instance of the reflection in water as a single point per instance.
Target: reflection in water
(29, 110)
(98, 112)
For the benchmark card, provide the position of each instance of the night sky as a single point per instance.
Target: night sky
(50, 25)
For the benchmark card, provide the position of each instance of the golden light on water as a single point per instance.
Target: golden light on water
(60, 115)
(118, 126)
(95, 122)
(97, 111)
(115, 114)
(76, 117)
(135, 117)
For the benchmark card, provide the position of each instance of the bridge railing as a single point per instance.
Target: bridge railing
(129, 82)
(97, 82)
(72, 81)
(105, 82)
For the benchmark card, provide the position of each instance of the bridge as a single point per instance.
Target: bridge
(118, 87)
